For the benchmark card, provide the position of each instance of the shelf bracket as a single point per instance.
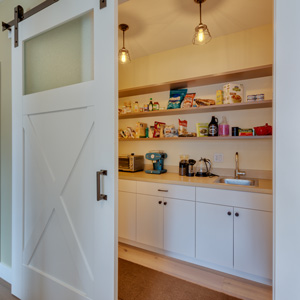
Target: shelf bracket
(20, 16)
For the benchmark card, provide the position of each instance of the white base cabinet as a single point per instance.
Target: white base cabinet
(234, 236)
(150, 216)
(127, 210)
(226, 230)
(179, 226)
(253, 242)
(166, 223)
(214, 234)
(127, 216)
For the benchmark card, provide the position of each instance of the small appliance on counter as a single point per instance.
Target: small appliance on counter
(203, 168)
(157, 158)
(190, 168)
(183, 164)
(131, 163)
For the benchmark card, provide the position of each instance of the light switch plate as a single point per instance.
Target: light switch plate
(218, 157)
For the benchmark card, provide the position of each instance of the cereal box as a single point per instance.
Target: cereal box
(233, 93)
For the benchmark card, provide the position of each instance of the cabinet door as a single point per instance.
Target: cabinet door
(150, 220)
(127, 215)
(214, 234)
(179, 226)
(253, 242)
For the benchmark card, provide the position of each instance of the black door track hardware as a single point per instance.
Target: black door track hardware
(102, 4)
(20, 16)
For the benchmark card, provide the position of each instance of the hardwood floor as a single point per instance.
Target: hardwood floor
(228, 284)
(5, 291)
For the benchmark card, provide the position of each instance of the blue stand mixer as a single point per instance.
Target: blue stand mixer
(157, 159)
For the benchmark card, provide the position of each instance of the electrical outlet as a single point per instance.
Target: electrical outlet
(218, 157)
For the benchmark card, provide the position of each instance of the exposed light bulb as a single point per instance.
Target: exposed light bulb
(200, 35)
(123, 57)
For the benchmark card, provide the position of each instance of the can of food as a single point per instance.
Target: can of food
(260, 97)
(251, 98)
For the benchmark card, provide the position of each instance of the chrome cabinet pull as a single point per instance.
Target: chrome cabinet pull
(99, 195)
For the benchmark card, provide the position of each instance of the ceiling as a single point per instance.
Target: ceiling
(160, 25)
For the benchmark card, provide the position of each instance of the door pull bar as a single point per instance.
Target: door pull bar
(99, 195)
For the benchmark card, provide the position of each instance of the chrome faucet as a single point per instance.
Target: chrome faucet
(237, 172)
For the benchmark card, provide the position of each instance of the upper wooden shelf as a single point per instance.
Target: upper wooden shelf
(242, 74)
(203, 138)
(195, 110)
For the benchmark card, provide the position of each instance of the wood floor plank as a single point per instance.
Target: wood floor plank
(5, 291)
(228, 284)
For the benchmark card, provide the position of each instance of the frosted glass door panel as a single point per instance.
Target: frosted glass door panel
(60, 57)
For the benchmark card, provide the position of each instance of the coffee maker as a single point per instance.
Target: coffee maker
(157, 158)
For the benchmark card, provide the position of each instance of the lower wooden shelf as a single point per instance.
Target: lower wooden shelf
(205, 138)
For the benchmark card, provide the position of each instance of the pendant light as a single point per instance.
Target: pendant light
(202, 35)
(124, 53)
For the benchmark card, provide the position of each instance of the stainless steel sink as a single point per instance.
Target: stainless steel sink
(236, 181)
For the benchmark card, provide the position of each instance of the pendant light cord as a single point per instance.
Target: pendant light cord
(200, 12)
(123, 38)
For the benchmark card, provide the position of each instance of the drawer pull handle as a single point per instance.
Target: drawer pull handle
(229, 213)
(159, 202)
(163, 190)
(165, 203)
(237, 214)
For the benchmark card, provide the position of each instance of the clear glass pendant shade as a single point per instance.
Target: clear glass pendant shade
(202, 35)
(124, 56)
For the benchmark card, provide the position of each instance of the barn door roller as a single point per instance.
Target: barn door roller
(19, 16)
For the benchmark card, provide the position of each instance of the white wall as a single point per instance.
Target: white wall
(287, 149)
(240, 50)
(245, 49)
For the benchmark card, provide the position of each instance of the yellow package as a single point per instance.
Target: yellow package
(219, 97)
(202, 129)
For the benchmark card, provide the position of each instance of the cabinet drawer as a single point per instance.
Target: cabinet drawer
(166, 190)
(235, 198)
(127, 186)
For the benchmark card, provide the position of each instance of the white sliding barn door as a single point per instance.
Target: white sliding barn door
(64, 131)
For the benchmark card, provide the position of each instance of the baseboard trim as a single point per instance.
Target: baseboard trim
(6, 273)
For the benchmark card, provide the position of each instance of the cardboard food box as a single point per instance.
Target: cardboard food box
(202, 129)
(219, 97)
(140, 130)
(233, 93)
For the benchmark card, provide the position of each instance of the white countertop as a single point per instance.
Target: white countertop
(264, 185)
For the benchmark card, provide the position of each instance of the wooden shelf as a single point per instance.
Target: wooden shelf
(196, 110)
(243, 74)
(204, 138)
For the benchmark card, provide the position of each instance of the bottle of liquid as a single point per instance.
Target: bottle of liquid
(150, 105)
(224, 127)
(213, 127)
(136, 107)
